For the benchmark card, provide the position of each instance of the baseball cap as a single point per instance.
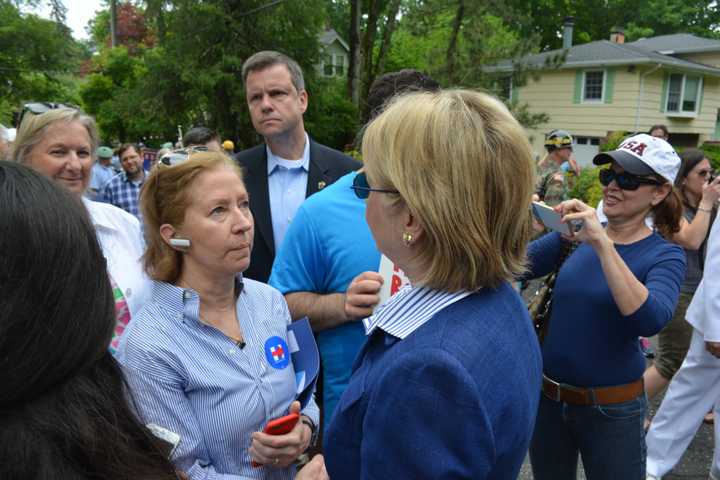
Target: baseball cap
(644, 155)
(104, 152)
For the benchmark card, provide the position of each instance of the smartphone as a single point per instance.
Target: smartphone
(279, 426)
(553, 220)
(164, 434)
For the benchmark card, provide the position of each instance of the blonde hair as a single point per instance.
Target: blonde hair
(33, 127)
(464, 168)
(164, 198)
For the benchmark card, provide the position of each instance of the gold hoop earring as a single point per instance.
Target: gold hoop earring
(407, 238)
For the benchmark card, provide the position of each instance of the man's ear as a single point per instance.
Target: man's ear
(303, 97)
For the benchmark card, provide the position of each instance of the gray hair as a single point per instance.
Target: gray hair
(268, 58)
(33, 128)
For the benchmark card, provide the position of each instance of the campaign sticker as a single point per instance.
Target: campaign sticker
(277, 352)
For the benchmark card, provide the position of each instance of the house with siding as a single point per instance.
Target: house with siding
(609, 85)
(334, 56)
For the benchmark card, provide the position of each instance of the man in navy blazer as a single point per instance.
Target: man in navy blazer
(289, 166)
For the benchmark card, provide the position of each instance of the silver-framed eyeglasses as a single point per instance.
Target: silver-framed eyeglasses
(175, 157)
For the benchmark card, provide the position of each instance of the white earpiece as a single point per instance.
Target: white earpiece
(180, 242)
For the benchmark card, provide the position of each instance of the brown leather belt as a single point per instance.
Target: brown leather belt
(562, 392)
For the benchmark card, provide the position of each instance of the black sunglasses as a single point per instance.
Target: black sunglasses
(38, 108)
(362, 189)
(174, 157)
(625, 180)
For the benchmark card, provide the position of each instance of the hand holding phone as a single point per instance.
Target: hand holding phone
(279, 426)
(553, 220)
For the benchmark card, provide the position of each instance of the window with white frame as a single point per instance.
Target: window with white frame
(593, 85)
(334, 65)
(683, 93)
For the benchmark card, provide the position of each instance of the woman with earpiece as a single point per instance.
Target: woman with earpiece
(208, 357)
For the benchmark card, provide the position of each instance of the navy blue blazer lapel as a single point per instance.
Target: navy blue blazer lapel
(257, 187)
(318, 177)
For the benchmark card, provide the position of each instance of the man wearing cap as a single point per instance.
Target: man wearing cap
(102, 173)
(290, 166)
(552, 186)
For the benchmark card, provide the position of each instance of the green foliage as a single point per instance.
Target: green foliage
(614, 139)
(587, 187)
(330, 102)
(35, 56)
(712, 152)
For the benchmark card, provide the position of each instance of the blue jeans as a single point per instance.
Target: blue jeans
(609, 438)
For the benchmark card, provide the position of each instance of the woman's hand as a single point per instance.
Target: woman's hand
(711, 194)
(280, 451)
(592, 231)
(362, 295)
(315, 470)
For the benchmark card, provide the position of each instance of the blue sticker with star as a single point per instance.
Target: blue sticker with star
(277, 353)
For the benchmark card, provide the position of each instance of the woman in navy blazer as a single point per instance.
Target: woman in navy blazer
(447, 384)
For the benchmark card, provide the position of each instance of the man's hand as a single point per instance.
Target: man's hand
(362, 295)
(315, 470)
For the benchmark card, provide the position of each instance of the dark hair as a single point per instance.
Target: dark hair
(667, 214)
(64, 412)
(199, 136)
(384, 88)
(128, 146)
(659, 126)
(690, 158)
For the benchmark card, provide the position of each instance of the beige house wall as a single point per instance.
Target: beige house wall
(708, 58)
(553, 93)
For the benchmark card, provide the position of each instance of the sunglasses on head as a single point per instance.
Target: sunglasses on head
(625, 180)
(38, 108)
(362, 189)
(175, 157)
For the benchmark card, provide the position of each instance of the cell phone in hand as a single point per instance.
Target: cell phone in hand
(553, 220)
(279, 426)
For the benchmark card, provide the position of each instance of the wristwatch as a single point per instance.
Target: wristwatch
(313, 430)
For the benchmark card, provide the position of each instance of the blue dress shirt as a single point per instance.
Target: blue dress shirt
(287, 186)
(188, 377)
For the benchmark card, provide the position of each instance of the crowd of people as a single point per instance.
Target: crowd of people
(144, 320)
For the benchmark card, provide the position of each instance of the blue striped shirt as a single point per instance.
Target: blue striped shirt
(188, 377)
(409, 309)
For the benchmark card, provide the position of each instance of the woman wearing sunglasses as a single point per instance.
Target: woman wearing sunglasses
(61, 143)
(700, 194)
(622, 281)
(208, 357)
(446, 385)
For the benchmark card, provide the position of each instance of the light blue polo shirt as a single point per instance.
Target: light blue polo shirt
(327, 245)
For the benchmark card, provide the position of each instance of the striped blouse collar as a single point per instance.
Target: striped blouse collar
(409, 309)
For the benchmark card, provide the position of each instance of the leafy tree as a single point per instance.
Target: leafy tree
(35, 57)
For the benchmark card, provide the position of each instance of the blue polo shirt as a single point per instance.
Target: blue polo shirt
(327, 245)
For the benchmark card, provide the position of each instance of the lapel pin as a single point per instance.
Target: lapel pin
(321, 185)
